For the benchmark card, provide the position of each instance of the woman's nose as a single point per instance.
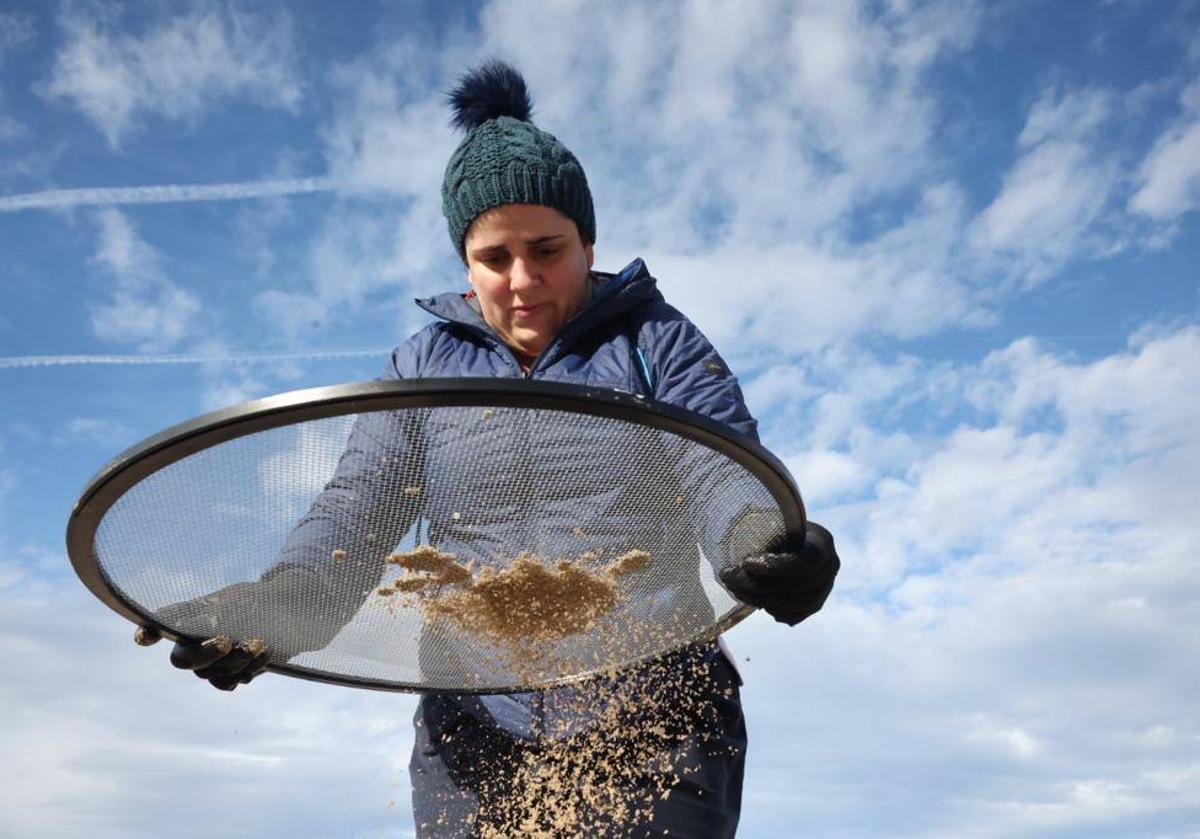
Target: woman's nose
(522, 274)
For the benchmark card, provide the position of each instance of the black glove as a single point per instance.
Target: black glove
(224, 663)
(789, 582)
(243, 610)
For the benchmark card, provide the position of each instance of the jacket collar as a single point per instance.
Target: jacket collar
(614, 295)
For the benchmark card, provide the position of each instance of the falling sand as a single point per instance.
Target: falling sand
(613, 751)
(616, 746)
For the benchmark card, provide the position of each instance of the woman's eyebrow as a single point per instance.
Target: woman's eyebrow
(488, 250)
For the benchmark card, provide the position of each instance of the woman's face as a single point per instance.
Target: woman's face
(529, 269)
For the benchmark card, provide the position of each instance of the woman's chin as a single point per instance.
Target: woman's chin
(530, 344)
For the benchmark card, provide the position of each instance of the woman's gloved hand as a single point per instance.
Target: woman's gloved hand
(222, 662)
(789, 582)
(242, 610)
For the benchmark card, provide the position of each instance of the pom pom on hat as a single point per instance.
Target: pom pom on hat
(494, 89)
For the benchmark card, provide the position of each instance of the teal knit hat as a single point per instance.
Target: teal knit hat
(505, 158)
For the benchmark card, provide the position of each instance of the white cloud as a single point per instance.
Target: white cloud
(1013, 740)
(1058, 115)
(389, 130)
(223, 390)
(176, 69)
(1071, 448)
(777, 387)
(827, 474)
(120, 249)
(109, 433)
(145, 308)
(1015, 619)
(360, 251)
(1131, 392)
(119, 766)
(255, 228)
(1169, 178)
(1055, 192)
(810, 296)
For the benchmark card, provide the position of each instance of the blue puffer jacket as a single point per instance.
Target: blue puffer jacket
(626, 338)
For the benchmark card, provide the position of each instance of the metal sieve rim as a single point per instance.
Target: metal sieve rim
(160, 450)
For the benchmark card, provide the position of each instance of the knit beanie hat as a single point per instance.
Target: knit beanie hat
(505, 158)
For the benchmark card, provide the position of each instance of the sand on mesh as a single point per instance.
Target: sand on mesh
(426, 566)
(528, 602)
(628, 563)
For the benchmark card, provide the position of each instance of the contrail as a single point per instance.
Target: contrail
(163, 194)
(11, 362)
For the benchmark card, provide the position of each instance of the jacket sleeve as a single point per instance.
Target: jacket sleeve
(688, 372)
(362, 512)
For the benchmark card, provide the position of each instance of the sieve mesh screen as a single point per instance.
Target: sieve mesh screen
(583, 542)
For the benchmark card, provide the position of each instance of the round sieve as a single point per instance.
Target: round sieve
(464, 535)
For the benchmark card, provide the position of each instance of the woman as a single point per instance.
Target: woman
(520, 216)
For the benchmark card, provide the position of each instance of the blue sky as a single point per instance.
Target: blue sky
(950, 248)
